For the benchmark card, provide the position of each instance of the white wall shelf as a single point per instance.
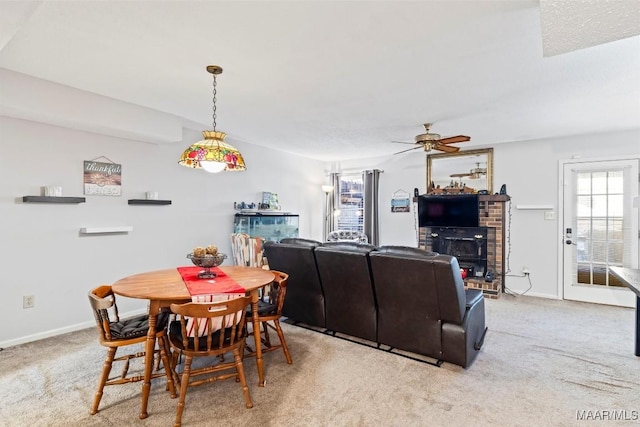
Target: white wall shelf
(106, 230)
(534, 207)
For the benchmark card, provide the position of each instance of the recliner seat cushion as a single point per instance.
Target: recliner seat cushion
(405, 252)
(406, 293)
(305, 300)
(348, 290)
(300, 242)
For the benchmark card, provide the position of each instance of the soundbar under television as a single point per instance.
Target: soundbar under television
(455, 210)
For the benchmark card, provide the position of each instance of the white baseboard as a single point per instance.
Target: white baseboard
(59, 331)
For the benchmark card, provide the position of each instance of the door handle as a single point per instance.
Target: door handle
(569, 242)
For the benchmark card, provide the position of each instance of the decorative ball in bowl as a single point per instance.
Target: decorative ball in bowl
(207, 262)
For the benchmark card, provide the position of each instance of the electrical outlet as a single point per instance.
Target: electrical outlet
(28, 301)
(549, 215)
(526, 271)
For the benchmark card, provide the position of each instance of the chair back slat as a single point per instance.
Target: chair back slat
(102, 301)
(280, 285)
(223, 321)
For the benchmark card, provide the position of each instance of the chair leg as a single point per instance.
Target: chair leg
(106, 369)
(184, 383)
(267, 340)
(156, 360)
(243, 380)
(249, 329)
(175, 356)
(167, 348)
(167, 366)
(276, 322)
(167, 345)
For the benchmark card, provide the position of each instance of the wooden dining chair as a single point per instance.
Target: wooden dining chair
(115, 333)
(208, 329)
(247, 250)
(269, 314)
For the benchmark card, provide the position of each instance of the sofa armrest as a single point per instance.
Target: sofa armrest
(472, 296)
(478, 344)
(461, 343)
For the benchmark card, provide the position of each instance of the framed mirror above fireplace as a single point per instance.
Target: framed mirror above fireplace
(464, 172)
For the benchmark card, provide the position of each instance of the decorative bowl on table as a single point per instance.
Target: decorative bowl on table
(207, 262)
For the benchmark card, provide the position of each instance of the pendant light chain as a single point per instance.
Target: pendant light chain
(215, 83)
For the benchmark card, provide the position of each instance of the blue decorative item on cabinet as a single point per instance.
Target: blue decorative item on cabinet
(272, 226)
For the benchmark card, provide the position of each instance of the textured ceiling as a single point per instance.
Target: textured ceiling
(340, 79)
(577, 24)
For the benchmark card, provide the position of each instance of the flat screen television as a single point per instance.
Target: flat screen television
(459, 210)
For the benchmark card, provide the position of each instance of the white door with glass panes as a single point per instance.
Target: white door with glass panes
(600, 229)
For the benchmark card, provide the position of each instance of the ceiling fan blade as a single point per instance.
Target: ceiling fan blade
(446, 148)
(410, 149)
(402, 142)
(459, 175)
(452, 139)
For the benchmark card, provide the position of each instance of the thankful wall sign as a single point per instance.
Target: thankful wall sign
(102, 179)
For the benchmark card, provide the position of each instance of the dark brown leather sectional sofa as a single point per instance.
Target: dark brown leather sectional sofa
(405, 298)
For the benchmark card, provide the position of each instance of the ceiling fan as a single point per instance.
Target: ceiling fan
(474, 173)
(432, 141)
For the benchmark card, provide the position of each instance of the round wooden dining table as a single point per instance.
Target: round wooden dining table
(164, 287)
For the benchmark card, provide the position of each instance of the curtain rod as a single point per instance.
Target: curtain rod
(351, 171)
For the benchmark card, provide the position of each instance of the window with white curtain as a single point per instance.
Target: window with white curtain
(351, 203)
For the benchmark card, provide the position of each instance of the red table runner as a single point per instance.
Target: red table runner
(221, 284)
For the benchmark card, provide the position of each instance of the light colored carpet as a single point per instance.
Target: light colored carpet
(543, 361)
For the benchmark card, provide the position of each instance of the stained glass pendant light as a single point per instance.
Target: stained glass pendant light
(213, 154)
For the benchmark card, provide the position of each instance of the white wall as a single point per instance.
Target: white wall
(42, 253)
(401, 172)
(530, 171)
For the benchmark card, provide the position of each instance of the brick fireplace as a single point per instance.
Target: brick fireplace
(478, 249)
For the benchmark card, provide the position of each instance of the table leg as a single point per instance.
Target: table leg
(637, 352)
(255, 295)
(154, 308)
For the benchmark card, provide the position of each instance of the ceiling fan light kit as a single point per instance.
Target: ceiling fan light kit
(432, 141)
(474, 173)
(213, 154)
